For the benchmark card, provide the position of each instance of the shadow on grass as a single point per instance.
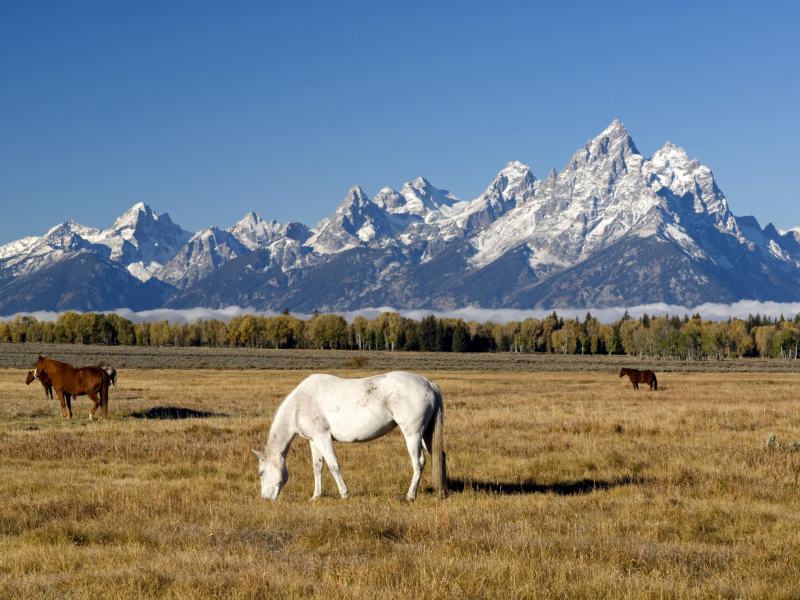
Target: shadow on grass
(174, 412)
(584, 486)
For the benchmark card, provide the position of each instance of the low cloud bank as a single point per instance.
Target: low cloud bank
(708, 311)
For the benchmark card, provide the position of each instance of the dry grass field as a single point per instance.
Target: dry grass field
(564, 485)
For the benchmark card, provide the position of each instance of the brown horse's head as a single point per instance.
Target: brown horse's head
(30, 378)
(623, 372)
(39, 365)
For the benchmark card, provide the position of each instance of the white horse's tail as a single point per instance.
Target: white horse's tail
(438, 457)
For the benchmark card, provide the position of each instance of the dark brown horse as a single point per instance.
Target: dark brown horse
(636, 376)
(69, 381)
(44, 378)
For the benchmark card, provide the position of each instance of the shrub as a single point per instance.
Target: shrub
(359, 361)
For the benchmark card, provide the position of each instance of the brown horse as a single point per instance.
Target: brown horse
(636, 376)
(69, 381)
(47, 383)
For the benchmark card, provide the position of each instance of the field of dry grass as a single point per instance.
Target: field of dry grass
(563, 485)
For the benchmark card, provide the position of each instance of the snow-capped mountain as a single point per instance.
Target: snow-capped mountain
(139, 240)
(607, 191)
(253, 232)
(202, 254)
(142, 241)
(357, 221)
(611, 228)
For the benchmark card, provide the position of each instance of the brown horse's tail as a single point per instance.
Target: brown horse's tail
(104, 396)
(655, 382)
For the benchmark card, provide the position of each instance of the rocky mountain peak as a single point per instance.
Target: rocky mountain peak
(253, 232)
(130, 218)
(389, 200)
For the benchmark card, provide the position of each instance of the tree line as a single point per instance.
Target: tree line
(689, 338)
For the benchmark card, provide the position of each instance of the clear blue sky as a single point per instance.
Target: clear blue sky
(210, 110)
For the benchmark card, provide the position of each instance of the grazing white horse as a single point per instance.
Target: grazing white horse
(324, 409)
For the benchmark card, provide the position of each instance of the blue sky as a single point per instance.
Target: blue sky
(210, 110)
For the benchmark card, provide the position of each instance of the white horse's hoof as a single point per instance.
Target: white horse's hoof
(315, 498)
(345, 496)
(410, 498)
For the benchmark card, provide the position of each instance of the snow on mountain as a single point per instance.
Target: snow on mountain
(139, 240)
(34, 253)
(598, 197)
(253, 232)
(358, 220)
(555, 240)
(425, 201)
(671, 168)
(510, 189)
(775, 244)
(202, 254)
(142, 241)
(607, 191)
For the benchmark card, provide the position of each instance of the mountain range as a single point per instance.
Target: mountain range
(612, 228)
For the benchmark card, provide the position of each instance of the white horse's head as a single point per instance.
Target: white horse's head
(273, 473)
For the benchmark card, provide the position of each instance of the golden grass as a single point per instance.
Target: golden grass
(564, 485)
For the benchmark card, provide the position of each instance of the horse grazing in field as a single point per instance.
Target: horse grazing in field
(325, 409)
(112, 374)
(69, 381)
(47, 383)
(636, 376)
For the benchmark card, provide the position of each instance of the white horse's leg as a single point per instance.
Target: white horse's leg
(329, 454)
(414, 444)
(316, 459)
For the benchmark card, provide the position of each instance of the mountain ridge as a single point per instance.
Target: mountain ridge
(611, 228)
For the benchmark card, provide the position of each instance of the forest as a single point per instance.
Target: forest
(689, 338)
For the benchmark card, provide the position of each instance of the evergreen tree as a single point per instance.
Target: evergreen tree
(427, 334)
(412, 336)
(440, 337)
(460, 337)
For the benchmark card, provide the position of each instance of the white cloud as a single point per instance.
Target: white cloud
(708, 311)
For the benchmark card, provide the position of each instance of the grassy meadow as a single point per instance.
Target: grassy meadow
(563, 485)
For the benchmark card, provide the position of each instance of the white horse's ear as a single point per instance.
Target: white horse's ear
(260, 455)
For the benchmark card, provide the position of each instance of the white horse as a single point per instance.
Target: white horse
(324, 409)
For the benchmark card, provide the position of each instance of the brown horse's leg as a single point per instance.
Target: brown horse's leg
(69, 404)
(96, 401)
(61, 394)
